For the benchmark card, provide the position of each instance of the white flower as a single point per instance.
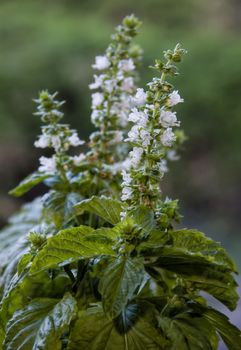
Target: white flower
(74, 140)
(126, 178)
(43, 141)
(140, 97)
(47, 165)
(98, 81)
(101, 62)
(96, 116)
(137, 134)
(163, 166)
(134, 134)
(110, 84)
(138, 117)
(77, 160)
(127, 84)
(97, 99)
(135, 156)
(145, 137)
(126, 193)
(175, 98)
(126, 164)
(168, 137)
(172, 155)
(57, 113)
(126, 65)
(56, 142)
(168, 119)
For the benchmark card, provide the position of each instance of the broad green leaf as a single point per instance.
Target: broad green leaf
(106, 208)
(144, 217)
(196, 241)
(59, 207)
(71, 245)
(230, 334)
(188, 332)
(203, 274)
(119, 283)
(94, 331)
(192, 241)
(197, 259)
(40, 325)
(23, 262)
(23, 288)
(28, 183)
(13, 244)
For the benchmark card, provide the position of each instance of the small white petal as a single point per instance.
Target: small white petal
(126, 193)
(126, 65)
(172, 155)
(43, 141)
(168, 137)
(74, 140)
(98, 82)
(97, 99)
(138, 117)
(101, 62)
(126, 178)
(47, 165)
(77, 160)
(145, 137)
(127, 84)
(175, 98)
(163, 166)
(110, 85)
(56, 142)
(140, 97)
(168, 119)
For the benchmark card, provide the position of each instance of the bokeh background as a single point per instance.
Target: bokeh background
(51, 44)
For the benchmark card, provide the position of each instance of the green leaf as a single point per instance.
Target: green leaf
(23, 262)
(230, 334)
(23, 288)
(192, 241)
(121, 280)
(189, 332)
(94, 331)
(144, 217)
(196, 242)
(203, 274)
(13, 244)
(198, 259)
(40, 325)
(106, 208)
(28, 183)
(59, 207)
(71, 245)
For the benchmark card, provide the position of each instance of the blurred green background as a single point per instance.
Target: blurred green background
(51, 44)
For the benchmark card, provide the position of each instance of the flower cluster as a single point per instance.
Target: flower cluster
(115, 85)
(54, 134)
(152, 135)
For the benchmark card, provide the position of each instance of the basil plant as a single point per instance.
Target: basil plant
(98, 263)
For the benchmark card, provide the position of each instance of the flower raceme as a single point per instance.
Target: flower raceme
(54, 134)
(152, 135)
(115, 85)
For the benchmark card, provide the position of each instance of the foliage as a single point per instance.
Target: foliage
(109, 255)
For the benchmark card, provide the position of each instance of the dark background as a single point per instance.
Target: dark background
(51, 44)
